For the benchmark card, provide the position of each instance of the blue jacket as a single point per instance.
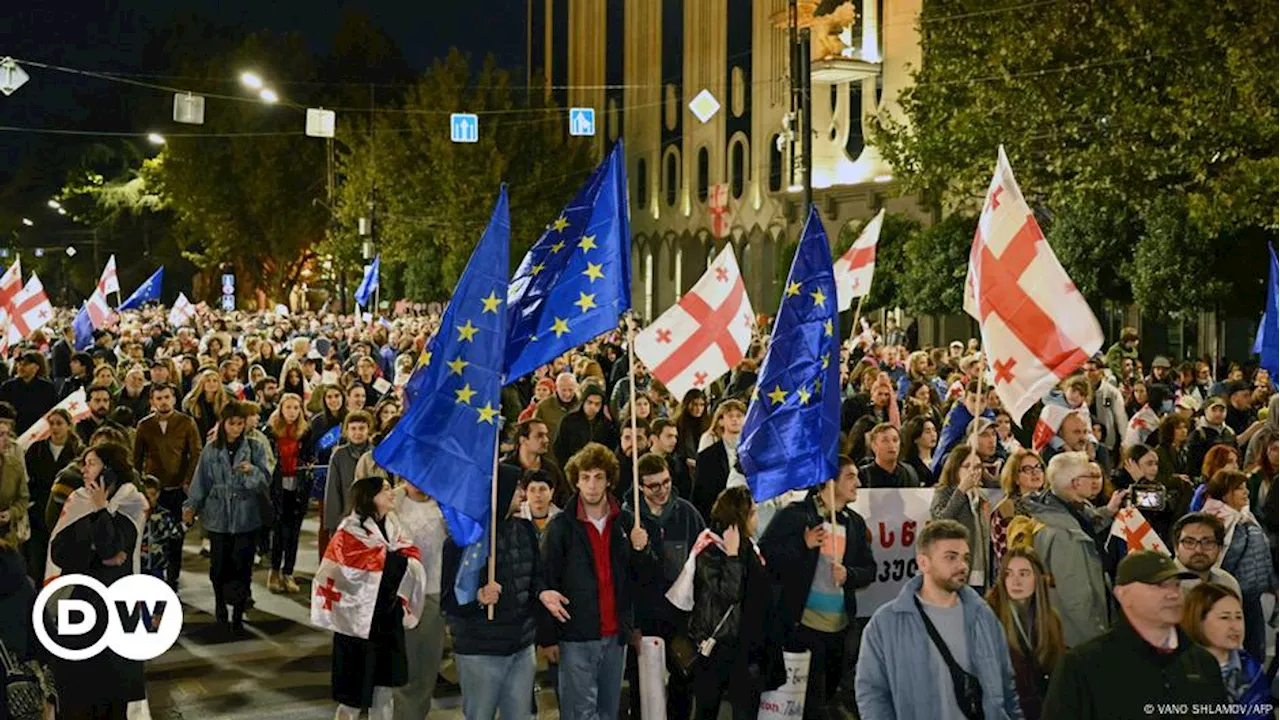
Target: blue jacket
(896, 675)
(230, 501)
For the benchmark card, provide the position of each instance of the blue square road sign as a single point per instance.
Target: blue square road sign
(582, 121)
(464, 127)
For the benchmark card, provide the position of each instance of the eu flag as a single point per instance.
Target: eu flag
(83, 328)
(1267, 343)
(576, 280)
(369, 283)
(148, 291)
(445, 442)
(791, 436)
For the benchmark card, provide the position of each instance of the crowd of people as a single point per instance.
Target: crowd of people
(236, 429)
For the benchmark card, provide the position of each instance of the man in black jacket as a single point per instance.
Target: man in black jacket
(818, 603)
(31, 395)
(594, 556)
(495, 657)
(587, 424)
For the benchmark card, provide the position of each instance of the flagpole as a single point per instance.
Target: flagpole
(635, 442)
(493, 516)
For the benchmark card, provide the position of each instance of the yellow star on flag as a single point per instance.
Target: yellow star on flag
(424, 359)
(465, 394)
(588, 242)
(826, 327)
(793, 289)
(594, 271)
(560, 327)
(491, 303)
(557, 247)
(804, 396)
(817, 385)
(560, 224)
(467, 332)
(487, 413)
(585, 301)
(755, 392)
(537, 269)
(819, 300)
(826, 361)
(456, 365)
(778, 396)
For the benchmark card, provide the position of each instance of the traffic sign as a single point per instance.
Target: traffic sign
(704, 105)
(188, 108)
(582, 121)
(464, 127)
(320, 122)
(12, 77)
(228, 302)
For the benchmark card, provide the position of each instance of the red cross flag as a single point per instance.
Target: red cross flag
(30, 310)
(345, 586)
(182, 311)
(10, 286)
(109, 282)
(704, 335)
(718, 206)
(1131, 527)
(1036, 326)
(75, 403)
(99, 311)
(856, 267)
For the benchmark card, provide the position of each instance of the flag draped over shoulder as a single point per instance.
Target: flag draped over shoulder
(576, 280)
(345, 589)
(791, 436)
(444, 444)
(127, 501)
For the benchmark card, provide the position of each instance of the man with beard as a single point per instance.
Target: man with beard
(1143, 659)
(937, 610)
(99, 408)
(168, 446)
(533, 440)
(1197, 542)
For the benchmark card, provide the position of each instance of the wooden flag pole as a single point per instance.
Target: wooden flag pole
(493, 516)
(635, 444)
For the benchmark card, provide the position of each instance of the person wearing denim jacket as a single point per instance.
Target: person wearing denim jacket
(229, 490)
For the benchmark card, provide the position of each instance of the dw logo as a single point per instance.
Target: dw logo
(139, 617)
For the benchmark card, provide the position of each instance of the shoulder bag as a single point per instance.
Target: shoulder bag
(967, 687)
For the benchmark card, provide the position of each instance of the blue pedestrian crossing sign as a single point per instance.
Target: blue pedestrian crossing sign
(464, 127)
(582, 122)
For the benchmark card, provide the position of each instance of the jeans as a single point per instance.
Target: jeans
(591, 678)
(287, 529)
(424, 646)
(172, 499)
(826, 666)
(496, 683)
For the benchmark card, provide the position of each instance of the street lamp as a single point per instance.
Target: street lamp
(27, 222)
(268, 95)
(55, 204)
(251, 80)
(62, 210)
(155, 138)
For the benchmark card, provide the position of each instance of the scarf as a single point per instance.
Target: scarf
(1231, 519)
(345, 588)
(127, 500)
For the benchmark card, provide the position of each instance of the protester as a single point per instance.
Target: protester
(533, 445)
(664, 441)
(44, 460)
(206, 400)
(587, 424)
(718, 460)
(231, 482)
(286, 430)
(1143, 659)
(30, 393)
(1262, 492)
(422, 521)
(885, 471)
(919, 439)
(1210, 430)
(162, 529)
(319, 444)
(167, 446)
(692, 421)
(342, 467)
(554, 409)
(818, 557)
(1019, 597)
(1021, 476)
(1246, 554)
(1198, 543)
(966, 672)
(1213, 619)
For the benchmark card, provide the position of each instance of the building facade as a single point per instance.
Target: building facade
(695, 185)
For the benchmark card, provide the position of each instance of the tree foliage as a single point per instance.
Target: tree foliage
(1112, 114)
(935, 261)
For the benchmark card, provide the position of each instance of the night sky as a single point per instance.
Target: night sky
(116, 37)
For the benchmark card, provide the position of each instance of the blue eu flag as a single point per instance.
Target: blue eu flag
(369, 283)
(1267, 343)
(445, 443)
(148, 291)
(83, 328)
(791, 436)
(576, 280)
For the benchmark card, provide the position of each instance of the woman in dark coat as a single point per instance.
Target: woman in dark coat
(97, 535)
(45, 459)
(733, 604)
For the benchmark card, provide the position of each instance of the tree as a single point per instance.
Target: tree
(1109, 112)
(891, 261)
(432, 197)
(936, 260)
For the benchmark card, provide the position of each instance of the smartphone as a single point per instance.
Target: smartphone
(1146, 499)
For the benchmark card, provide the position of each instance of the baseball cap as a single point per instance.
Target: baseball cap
(957, 344)
(1238, 386)
(980, 425)
(1149, 567)
(1215, 400)
(1160, 362)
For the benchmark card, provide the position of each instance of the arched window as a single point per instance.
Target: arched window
(672, 180)
(775, 163)
(737, 167)
(704, 173)
(642, 183)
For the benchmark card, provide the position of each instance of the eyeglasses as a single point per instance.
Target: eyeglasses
(1031, 469)
(1189, 543)
(655, 487)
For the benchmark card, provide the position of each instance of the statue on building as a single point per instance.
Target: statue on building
(829, 32)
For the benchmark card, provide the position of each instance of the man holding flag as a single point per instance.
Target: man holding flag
(817, 551)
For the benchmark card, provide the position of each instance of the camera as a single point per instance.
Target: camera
(1150, 496)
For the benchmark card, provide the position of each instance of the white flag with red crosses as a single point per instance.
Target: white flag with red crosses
(857, 267)
(75, 404)
(1036, 326)
(1131, 527)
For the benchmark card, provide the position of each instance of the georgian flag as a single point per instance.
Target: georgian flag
(705, 334)
(76, 404)
(680, 593)
(856, 268)
(1051, 418)
(182, 311)
(127, 501)
(100, 313)
(1133, 529)
(30, 311)
(109, 282)
(345, 587)
(10, 286)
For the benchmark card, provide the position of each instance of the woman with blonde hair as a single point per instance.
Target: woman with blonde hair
(286, 430)
(206, 400)
(1020, 600)
(1023, 474)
